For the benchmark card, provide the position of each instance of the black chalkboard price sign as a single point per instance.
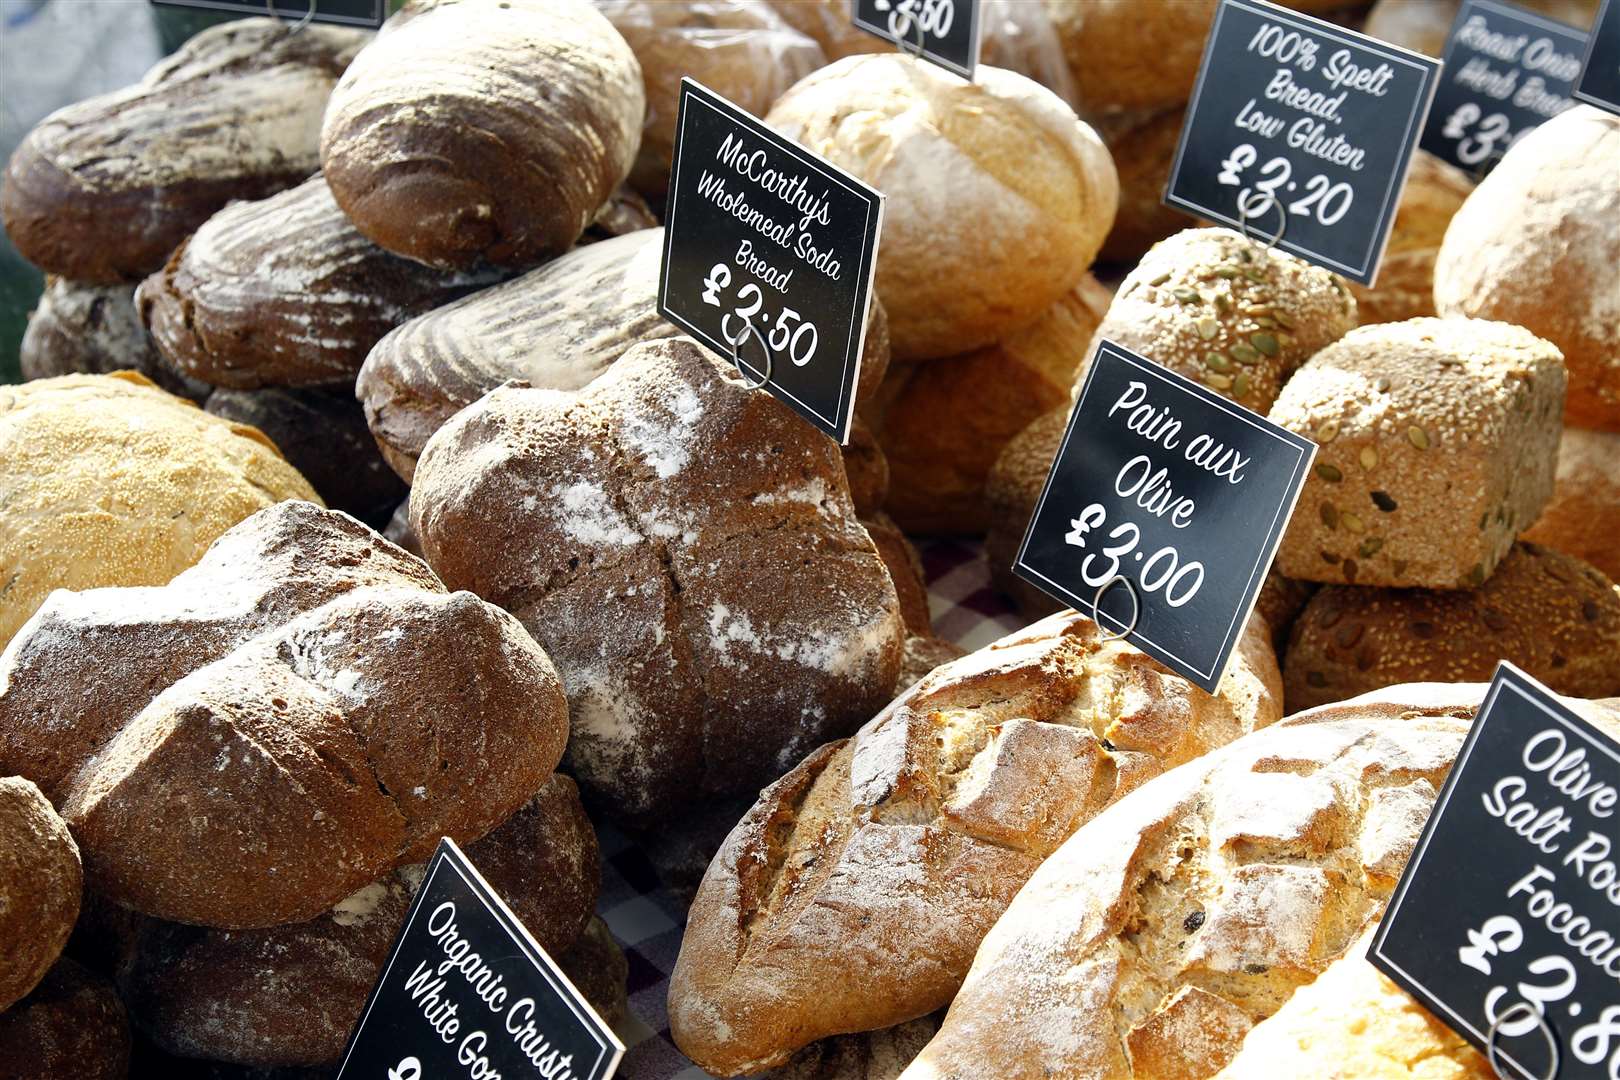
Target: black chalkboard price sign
(944, 31)
(1506, 923)
(343, 12)
(1162, 512)
(1303, 131)
(468, 994)
(769, 253)
(1600, 69)
(1506, 71)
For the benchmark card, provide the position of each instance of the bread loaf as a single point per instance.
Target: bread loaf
(40, 884)
(1132, 54)
(290, 995)
(866, 468)
(1280, 601)
(1439, 439)
(1553, 615)
(309, 705)
(1549, 213)
(905, 570)
(1405, 287)
(853, 894)
(285, 292)
(103, 190)
(686, 551)
(1424, 25)
(483, 129)
(973, 249)
(922, 655)
(1583, 517)
(865, 1055)
(80, 329)
(1012, 489)
(72, 1025)
(1143, 146)
(598, 968)
(107, 480)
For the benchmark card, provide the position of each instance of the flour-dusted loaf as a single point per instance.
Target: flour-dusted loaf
(72, 1025)
(1538, 245)
(1583, 516)
(107, 480)
(1553, 615)
(1439, 439)
(973, 247)
(686, 551)
(285, 291)
(290, 995)
(483, 129)
(853, 894)
(40, 885)
(103, 190)
(80, 329)
(1405, 288)
(301, 711)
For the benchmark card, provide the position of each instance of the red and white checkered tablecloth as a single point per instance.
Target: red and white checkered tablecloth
(648, 920)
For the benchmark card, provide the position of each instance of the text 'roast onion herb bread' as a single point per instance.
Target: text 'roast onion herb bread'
(80, 329)
(304, 709)
(107, 480)
(103, 190)
(285, 292)
(41, 881)
(72, 1025)
(1550, 613)
(1439, 441)
(483, 129)
(997, 197)
(853, 894)
(1538, 245)
(245, 996)
(686, 551)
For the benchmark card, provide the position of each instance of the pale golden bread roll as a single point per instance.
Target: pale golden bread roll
(1583, 517)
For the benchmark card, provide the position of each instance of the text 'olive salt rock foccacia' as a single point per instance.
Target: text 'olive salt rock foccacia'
(483, 129)
(302, 710)
(686, 550)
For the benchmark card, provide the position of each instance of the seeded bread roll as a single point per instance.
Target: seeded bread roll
(102, 191)
(1439, 439)
(905, 570)
(742, 51)
(80, 329)
(1231, 314)
(285, 292)
(1012, 489)
(40, 884)
(1405, 288)
(1549, 213)
(1583, 517)
(1553, 615)
(483, 129)
(973, 248)
(308, 703)
(686, 550)
(107, 480)
(244, 996)
(944, 423)
(72, 1025)
(1132, 54)
(1144, 147)
(853, 894)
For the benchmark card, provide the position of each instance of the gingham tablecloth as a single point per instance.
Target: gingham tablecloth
(647, 920)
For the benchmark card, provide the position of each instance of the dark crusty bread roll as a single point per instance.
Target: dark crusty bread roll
(1550, 613)
(1583, 517)
(308, 705)
(866, 467)
(1011, 491)
(290, 995)
(598, 968)
(686, 551)
(103, 190)
(285, 291)
(483, 129)
(864, 1055)
(80, 329)
(71, 1026)
(40, 885)
(322, 433)
(1280, 601)
(905, 570)
(854, 893)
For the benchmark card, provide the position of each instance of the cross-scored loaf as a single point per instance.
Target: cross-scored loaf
(853, 894)
(302, 710)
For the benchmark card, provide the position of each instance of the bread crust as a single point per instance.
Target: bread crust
(81, 329)
(40, 884)
(1583, 517)
(71, 1025)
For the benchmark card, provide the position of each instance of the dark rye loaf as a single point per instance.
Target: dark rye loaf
(80, 329)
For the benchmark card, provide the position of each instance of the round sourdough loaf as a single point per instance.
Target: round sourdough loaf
(483, 129)
(854, 893)
(72, 1025)
(686, 550)
(1553, 615)
(997, 197)
(80, 329)
(1583, 517)
(1405, 289)
(1538, 245)
(103, 190)
(40, 885)
(285, 292)
(301, 711)
(107, 480)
